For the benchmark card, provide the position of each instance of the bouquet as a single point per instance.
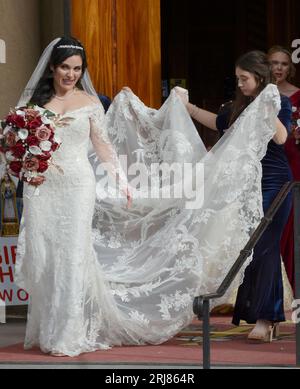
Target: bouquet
(28, 141)
(296, 124)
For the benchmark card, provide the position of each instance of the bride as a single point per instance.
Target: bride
(101, 272)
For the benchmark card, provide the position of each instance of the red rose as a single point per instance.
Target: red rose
(15, 167)
(18, 150)
(43, 166)
(16, 120)
(45, 156)
(20, 122)
(55, 146)
(32, 141)
(35, 123)
(31, 164)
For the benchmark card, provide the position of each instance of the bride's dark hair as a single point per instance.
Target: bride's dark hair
(256, 63)
(45, 88)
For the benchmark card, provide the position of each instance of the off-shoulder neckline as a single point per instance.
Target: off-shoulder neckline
(73, 110)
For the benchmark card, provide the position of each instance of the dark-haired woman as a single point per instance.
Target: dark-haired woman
(59, 89)
(284, 70)
(260, 297)
(55, 251)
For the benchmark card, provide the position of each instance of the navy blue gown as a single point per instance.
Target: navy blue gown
(260, 297)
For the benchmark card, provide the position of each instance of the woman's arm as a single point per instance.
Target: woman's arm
(105, 151)
(284, 121)
(281, 135)
(208, 119)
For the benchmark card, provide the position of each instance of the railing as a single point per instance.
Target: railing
(202, 303)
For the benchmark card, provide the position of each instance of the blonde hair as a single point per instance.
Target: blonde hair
(281, 49)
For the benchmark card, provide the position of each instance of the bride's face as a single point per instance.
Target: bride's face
(67, 74)
(246, 82)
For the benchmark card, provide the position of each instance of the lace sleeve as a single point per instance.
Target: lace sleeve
(104, 149)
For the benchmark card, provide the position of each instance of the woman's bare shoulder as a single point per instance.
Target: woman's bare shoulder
(94, 99)
(87, 97)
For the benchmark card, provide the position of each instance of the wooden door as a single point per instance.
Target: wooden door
(122, 38)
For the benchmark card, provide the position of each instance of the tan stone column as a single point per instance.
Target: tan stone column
(20, 30)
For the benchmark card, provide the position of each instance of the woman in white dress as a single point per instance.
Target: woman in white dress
(58, 221)
(100, 274)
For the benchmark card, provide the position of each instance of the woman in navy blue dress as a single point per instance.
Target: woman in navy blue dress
(260, 297)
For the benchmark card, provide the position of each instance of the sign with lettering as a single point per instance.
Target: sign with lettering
(10, 293)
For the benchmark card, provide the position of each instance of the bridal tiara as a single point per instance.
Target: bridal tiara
(70, 47)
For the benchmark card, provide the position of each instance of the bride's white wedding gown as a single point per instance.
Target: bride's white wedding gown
(101, 275)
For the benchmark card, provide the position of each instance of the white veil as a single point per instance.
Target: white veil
(39, 71)
(158, 255)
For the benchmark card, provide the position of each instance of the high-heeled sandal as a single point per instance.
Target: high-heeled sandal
(272, 333)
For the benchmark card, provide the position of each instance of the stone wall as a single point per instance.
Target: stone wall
(26, 27)
(20, 30)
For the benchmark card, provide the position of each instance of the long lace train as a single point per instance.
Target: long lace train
(100, 274)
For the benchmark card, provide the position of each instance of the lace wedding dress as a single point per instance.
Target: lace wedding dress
(100, 274)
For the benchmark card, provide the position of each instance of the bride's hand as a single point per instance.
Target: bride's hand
(183, 94)
(37, 181)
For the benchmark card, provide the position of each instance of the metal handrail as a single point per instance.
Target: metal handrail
(202, 303)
